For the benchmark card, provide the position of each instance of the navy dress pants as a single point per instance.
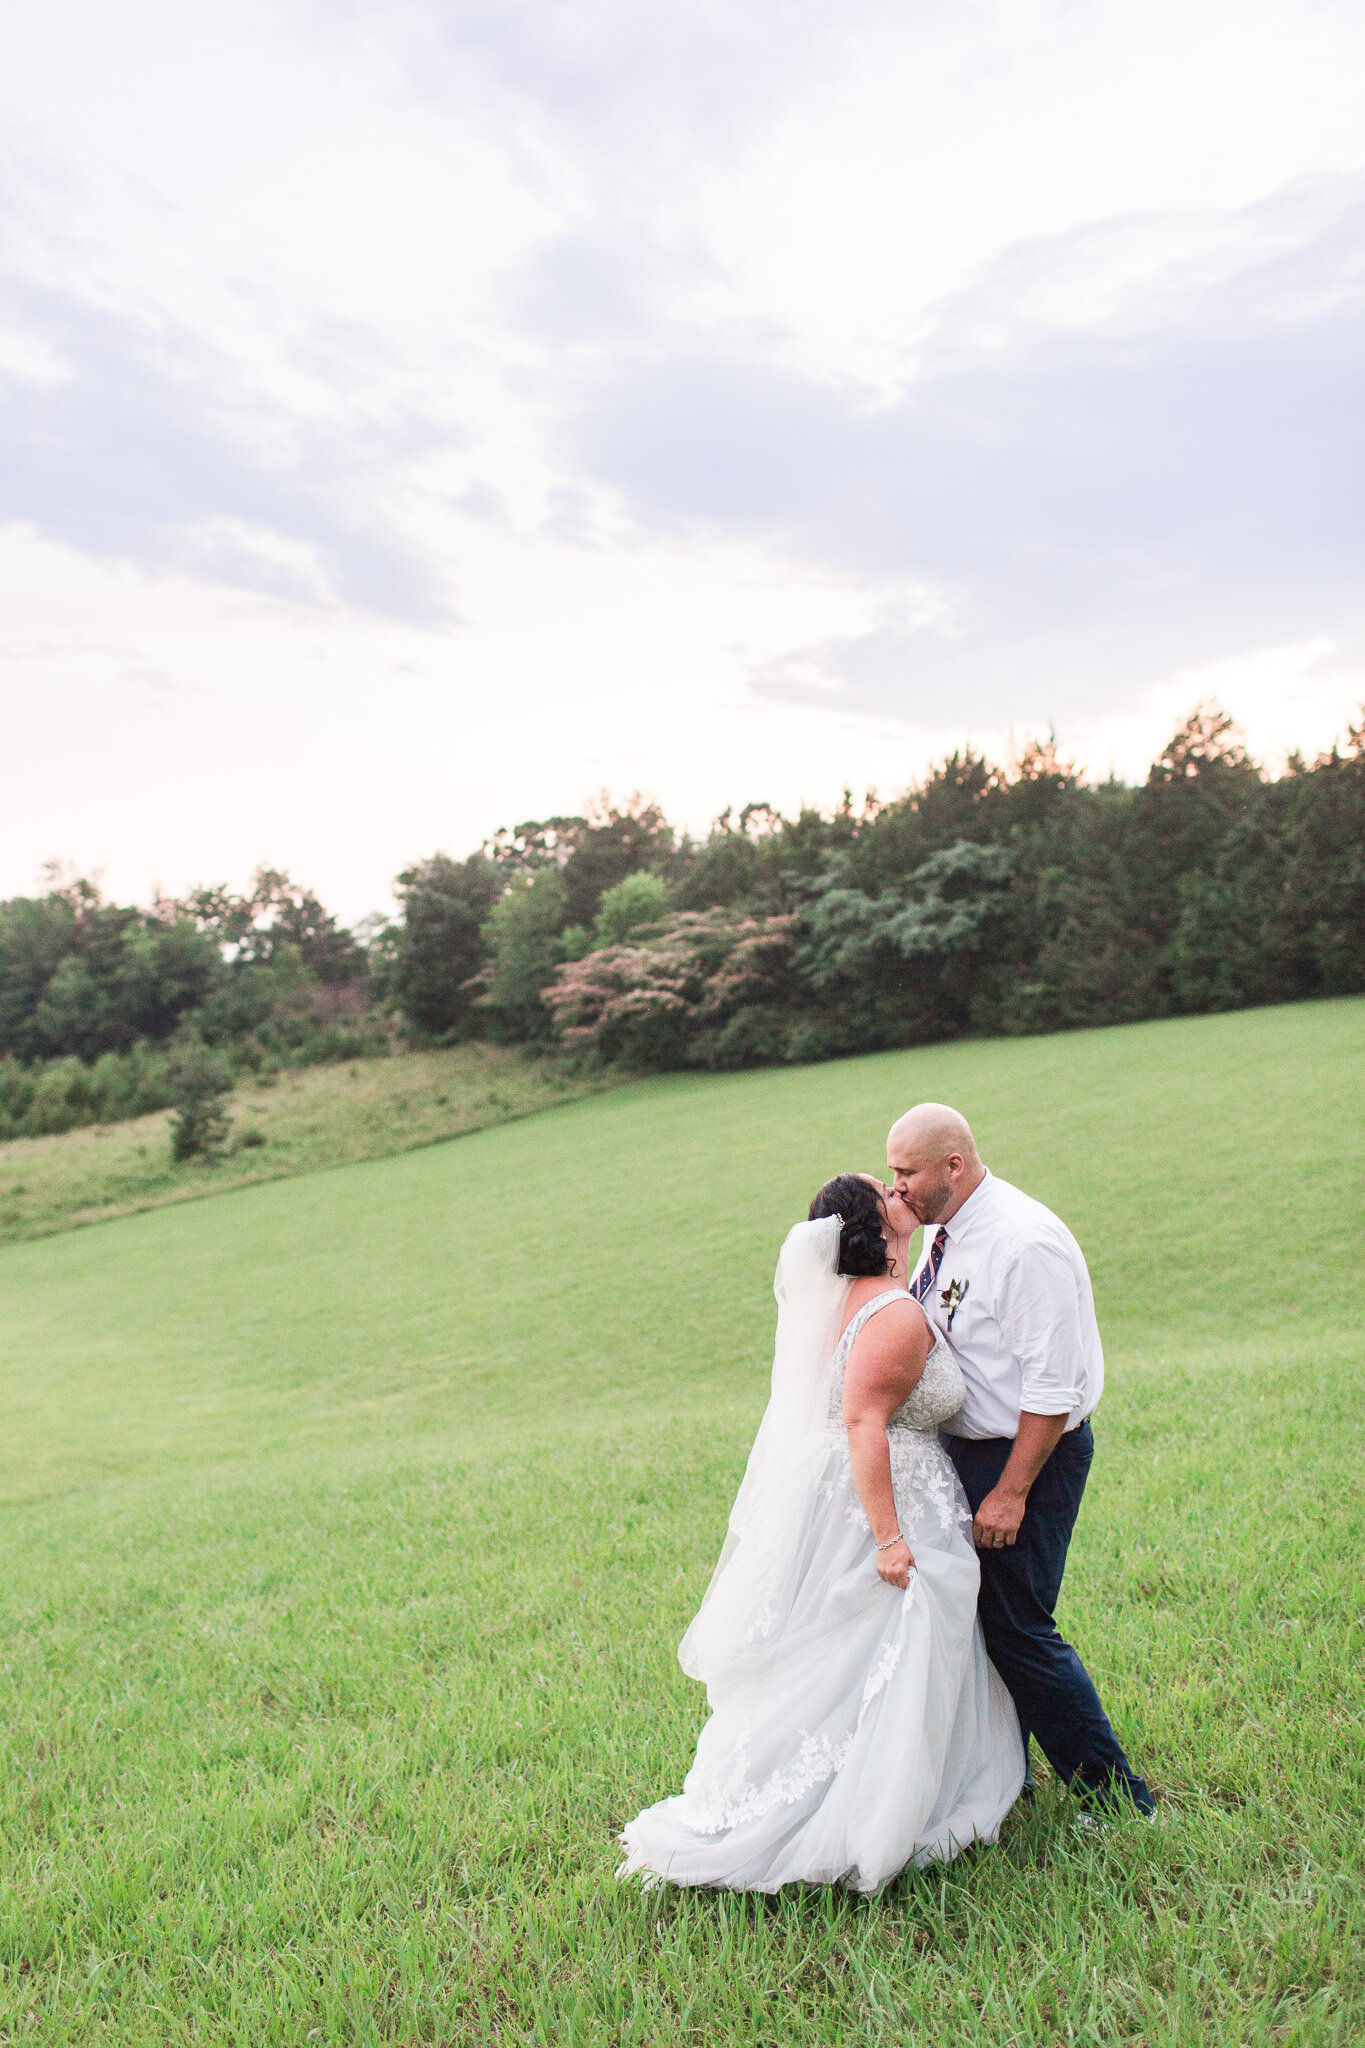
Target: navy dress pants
(1052, 1691)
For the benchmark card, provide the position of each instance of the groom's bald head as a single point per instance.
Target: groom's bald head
(933, 1156)
(932, 1130)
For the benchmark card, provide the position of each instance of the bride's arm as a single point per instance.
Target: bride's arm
(884, 1368)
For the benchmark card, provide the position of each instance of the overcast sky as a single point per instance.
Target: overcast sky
(416, 416)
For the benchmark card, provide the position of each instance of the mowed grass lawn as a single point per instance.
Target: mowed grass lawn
(351, 1522)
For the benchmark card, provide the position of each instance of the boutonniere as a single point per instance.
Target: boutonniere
(953, 1297)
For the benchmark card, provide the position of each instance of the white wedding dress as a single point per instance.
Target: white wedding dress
(854, 1728)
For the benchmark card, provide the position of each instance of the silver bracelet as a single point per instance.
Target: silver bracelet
(897, 1538)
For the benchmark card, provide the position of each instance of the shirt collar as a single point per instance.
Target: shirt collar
(959, 1224)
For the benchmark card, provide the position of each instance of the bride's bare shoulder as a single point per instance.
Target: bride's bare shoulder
(899, 1331)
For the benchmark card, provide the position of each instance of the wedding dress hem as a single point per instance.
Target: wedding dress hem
(856, 1729)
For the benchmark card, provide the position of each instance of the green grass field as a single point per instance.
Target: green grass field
(302, 1119)
(351, 1522)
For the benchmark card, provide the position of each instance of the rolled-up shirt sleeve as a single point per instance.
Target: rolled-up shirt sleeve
(1040, 1317)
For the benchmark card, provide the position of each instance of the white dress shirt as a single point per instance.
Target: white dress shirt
(1013, 1301)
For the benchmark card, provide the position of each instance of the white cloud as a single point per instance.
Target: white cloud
(412, 416)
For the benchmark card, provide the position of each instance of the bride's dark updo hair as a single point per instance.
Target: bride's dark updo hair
(862, 1247)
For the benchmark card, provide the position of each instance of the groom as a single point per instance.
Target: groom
(1003, 1280)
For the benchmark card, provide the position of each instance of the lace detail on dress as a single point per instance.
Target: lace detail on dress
(730, 1804)
(938, 1393)
(884, 1670)
(922, 1475)
(718, 1807)
(763, 1623)
(925, 1485)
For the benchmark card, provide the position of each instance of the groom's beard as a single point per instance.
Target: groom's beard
(930, 1203)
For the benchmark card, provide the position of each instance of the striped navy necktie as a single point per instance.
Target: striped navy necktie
(929, 1274)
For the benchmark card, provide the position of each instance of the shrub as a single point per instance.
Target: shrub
(200, 1081)
(131, 1083)
(17, 1085)
(705, 989)
(59, 1095)
(63, 1096)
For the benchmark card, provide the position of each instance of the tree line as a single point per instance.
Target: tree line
(108, 1010)
(985, 899)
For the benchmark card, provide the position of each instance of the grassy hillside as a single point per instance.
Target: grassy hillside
(295, 1123)
(352, 1521)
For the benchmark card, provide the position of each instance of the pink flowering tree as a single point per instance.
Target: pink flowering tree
(709, 988)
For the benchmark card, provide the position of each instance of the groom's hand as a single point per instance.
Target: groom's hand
(996, 1522)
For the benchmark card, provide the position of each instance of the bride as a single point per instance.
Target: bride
(856, 1722)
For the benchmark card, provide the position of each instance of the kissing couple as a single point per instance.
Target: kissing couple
(877, 1640)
